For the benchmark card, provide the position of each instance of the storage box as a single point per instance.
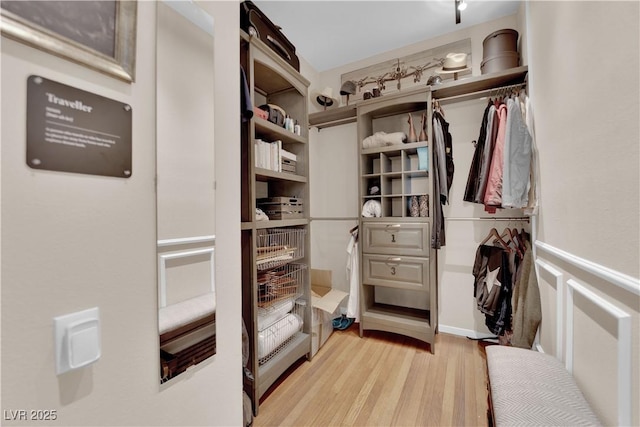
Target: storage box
(288, 165)
(278, 208)
(326, 306)
(500, 62)
(499, 51)
(499, 42)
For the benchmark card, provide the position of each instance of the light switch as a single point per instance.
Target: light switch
(77, 339)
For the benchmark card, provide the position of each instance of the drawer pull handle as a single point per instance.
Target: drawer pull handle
(394, 260)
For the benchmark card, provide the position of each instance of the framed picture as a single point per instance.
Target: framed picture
(98, 34)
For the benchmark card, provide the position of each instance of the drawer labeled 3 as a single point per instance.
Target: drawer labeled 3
(396, 238)
(395, 271)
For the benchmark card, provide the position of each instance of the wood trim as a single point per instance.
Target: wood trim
(622, 280)
(557, 274)
(162, 270)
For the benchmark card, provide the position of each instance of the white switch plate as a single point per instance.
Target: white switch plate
(77, 339)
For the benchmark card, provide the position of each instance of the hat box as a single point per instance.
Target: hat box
(499, 62)
(499, 51)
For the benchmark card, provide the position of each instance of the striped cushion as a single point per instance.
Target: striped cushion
(529, 388)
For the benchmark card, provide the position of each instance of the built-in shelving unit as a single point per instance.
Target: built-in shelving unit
(398, 266)
(399, 290)
(276, 295)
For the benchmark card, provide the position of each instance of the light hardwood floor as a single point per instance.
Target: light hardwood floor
(382, 379)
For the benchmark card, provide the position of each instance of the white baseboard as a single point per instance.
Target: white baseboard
(463, 332)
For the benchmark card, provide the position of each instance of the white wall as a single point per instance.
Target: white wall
(185, 143)
(74, 241)
(587, 128)
(333, 184)
(587, 132)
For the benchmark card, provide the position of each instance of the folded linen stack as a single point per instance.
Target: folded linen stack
(382, 139)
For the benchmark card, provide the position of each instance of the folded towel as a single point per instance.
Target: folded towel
(382, 139)
(372, 209)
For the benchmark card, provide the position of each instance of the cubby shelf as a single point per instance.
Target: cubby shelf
(398, 290)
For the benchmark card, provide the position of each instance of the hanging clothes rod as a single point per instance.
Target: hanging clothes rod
(491, 218)
(480, 93)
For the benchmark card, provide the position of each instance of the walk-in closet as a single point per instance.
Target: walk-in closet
(320, 213)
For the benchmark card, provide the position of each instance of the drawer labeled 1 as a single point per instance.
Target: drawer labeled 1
(396, 238)
(396, 271)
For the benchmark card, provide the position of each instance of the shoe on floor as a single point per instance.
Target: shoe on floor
(345, 323)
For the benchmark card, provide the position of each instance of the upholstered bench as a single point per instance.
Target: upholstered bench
(528, 388)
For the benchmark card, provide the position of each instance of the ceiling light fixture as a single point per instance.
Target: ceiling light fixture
(460, 6)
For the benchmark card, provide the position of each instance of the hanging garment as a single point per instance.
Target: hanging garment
(448, 150)
(441, 157)
(493, 192)
(527, 310)
(246, 107)
(353, 310)
(517, 159)
(492, 132)
(491, 273)
(532, 205)
(474, 171)
(493, 287)
(443, 169)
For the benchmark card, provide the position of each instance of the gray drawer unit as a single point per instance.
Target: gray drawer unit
(392, 238)
(396, 271)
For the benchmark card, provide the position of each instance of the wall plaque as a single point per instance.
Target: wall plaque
(71, 130)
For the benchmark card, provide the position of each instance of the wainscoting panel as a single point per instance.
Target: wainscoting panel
(552, 326)
(174, 246)
(597, 329)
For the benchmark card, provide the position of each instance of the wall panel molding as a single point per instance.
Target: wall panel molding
(617, 278)
(186, 241)
(624, 345)
(162, 269)
(559, 278)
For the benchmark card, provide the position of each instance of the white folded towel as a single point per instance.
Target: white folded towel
(382, 139)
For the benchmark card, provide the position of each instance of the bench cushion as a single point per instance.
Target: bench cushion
(182, 313)
(529, 388)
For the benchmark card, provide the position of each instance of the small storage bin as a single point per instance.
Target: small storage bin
(279, 208)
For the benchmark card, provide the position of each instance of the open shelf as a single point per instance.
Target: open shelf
(475, 84)
(267, 175)
(271, 131)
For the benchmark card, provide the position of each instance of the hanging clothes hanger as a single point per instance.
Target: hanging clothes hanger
(508, 236)
(498, 239)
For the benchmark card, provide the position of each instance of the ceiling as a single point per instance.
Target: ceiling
(328, 34)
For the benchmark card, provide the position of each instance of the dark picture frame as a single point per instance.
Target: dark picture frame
(97, 34)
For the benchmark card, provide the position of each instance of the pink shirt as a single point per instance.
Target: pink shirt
(493, 193)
